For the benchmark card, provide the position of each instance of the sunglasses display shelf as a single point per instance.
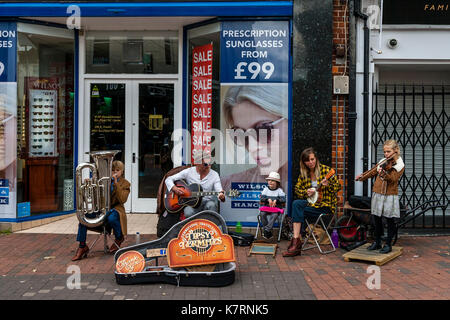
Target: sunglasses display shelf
(42, 124)
(42, 161)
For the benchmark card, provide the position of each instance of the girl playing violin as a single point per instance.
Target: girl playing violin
(385, 201)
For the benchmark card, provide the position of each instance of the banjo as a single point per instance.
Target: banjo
(317, 196)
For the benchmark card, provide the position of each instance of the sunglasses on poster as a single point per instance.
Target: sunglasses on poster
(259, 129)
(37, 113)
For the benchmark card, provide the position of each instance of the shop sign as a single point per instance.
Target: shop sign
(202, 58)
(254, 51)
(95, 93)
(4, 191)
(416, 12)
(155, 122)
(8, 47)
(254, 57)
(200, 242)
(8, 118)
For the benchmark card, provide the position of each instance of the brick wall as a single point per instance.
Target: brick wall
(339, 68)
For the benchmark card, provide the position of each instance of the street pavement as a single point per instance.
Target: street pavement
(38, 266)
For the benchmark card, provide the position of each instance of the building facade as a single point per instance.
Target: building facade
(158, 81)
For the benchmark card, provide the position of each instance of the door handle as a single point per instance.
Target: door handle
(134, 157)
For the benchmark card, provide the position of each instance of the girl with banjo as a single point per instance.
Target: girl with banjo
(313, 177)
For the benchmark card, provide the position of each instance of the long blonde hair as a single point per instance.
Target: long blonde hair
(269, 98)
(304, 170)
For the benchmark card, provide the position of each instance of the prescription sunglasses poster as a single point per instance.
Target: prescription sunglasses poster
(254, 88)
(8, 119)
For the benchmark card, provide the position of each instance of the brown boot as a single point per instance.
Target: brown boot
(294, 248)
(81, 253)
(116, 245)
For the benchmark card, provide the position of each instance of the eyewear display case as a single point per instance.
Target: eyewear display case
(41, 151)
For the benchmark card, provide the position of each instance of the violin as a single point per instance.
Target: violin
(388, 164)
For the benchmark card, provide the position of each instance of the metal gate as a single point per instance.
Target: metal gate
(418, 118)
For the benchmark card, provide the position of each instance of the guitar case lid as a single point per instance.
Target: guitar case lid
(241, 239)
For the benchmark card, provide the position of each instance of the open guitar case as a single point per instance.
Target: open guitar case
(222, 275)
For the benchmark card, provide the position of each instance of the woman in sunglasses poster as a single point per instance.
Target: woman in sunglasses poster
(256, 128)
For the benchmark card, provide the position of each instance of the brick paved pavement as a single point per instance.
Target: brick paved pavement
(34, 266)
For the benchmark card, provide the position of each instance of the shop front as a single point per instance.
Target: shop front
(160, 82)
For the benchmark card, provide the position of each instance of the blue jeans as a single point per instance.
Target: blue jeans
(300, 210)
(205, 205)
(112, 222)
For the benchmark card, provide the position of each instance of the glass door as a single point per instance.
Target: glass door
(153, 124)
(107, 119)
(137, 118)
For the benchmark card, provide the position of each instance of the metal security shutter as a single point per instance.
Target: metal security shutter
(418, 118)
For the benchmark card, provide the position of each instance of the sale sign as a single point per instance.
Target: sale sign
(202, 58)
(254, 51)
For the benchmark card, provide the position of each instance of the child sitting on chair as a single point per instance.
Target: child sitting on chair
(272, 202)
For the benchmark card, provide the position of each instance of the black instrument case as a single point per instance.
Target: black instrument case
(222, 275)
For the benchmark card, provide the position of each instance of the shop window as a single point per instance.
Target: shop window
(238, 106)
(146, 52)
(45, 124)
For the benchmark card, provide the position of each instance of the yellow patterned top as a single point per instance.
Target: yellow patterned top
(329, 198)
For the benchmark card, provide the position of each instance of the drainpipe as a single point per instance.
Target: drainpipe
(359, 14)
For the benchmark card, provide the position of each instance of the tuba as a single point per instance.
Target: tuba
(93, 195)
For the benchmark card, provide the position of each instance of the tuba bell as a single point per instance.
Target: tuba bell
(93, 195)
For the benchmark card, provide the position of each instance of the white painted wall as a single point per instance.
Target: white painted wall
(417, 44)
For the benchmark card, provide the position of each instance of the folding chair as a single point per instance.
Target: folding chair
(318, 240)
(101, 232)
(280, 220)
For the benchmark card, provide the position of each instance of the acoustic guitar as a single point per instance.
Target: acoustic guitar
(317, 196)
(192, 196)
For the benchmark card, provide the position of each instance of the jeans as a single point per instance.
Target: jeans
(300, 210)
(268, 219)
(205, 205)
(112, 222)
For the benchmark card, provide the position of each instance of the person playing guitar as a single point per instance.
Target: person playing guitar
(203, 175)
(313, 177)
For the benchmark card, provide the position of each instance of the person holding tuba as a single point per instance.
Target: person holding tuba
(117, 218)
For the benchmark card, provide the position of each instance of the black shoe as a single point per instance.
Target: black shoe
(374, 246)
(386, 249)
(267, 234)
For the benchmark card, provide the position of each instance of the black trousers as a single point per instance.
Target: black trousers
(379, 229)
